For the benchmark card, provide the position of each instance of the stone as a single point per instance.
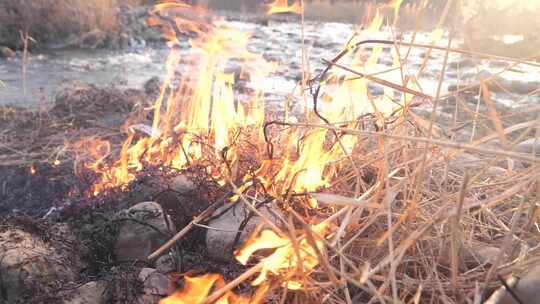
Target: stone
(522, 87)
(224, 228)
(89, 293)
(487, 254)
(464, 63)
(148, 230)
(152, 86)
(526, 288)
(157, 283)
(155, 286)
(466, 161)
(6, 52)
(29, 265)
(145, 273)
(151, 35)
(183, 184)
(528, 146)
(166, 264)
(147, 299)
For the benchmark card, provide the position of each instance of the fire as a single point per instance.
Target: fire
(197, 289)
(316, 159)
(282, 6)
(33, 169)
(199, 113)
(196, 111)
(285, 259)
(198, 116)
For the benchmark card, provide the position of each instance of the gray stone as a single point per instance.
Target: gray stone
(528, 146)
(155, 285)
(152, 86)
(144, 228)
(89, 293)
(145, 273)
(220, 237)
(158, 284)
(166, 264)
(527, 288)
(487, 254)
(464, 63)
(520, 86)
(29, 265)
(466, 161)
(151, 35)
(183, 184)
(147, 299)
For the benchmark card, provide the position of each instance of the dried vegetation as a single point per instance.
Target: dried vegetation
(417, 216)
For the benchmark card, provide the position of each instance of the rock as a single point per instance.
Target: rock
(156, 283)
(166, 264)
(29, 265)
(470, 255)
(220, 238)
(155, 286)
(6, 52)
(183, 184)
(145, 273)
(151, 35)
(136, 42)
(517, 86)
(464, 63)
(526, 288)
(147, 299)
(528, 146)
(466, 161)
(148, 230)
(496, 84)
(89, 293)
(483, 254)
(152, 86)
(375, 90)
(425, 54)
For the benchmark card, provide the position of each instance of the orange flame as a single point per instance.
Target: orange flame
(282, 6)
(197, 289)
(200, 114)
(33, 170)
(202, 106)
(285, 259)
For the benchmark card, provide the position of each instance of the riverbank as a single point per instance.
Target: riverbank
(75, 24)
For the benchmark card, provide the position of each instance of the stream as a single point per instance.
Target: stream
(47, 72)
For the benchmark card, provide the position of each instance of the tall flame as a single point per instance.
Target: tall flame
(199, 105)
(200, 110)
(199, 114)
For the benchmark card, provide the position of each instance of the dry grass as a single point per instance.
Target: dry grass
(51, 20)
(432, 204)
(442, 215)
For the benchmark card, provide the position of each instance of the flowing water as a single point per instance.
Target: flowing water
(48, 72)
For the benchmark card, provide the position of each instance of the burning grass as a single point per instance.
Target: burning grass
(378, 203)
